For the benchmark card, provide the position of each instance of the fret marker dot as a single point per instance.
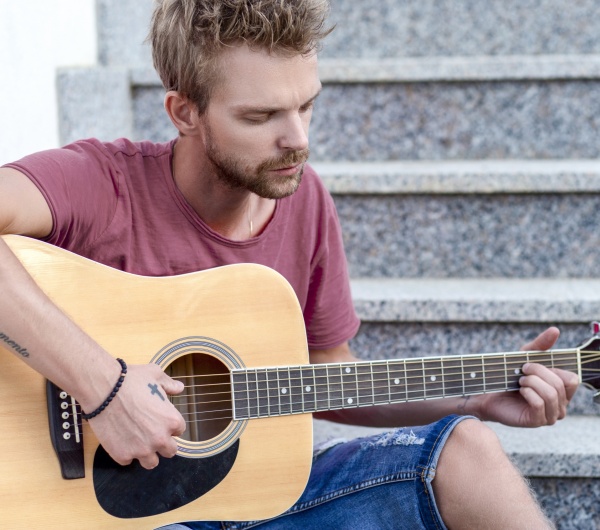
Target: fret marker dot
(517, 371)
(473, 375)
(308, 389)
(284, 390)
(396, 381)
(349, 401)
(433, 378)
(348, 370)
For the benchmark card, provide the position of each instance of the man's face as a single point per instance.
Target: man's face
(256, 124)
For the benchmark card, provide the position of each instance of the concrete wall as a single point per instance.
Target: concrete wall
(36, 38)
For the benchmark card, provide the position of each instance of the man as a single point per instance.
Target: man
(241, 80)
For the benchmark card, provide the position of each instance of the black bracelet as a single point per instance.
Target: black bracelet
(111, 396)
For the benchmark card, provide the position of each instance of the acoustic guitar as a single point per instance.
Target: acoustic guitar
(235, 336)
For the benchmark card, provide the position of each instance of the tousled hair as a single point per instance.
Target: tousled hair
(187, 37)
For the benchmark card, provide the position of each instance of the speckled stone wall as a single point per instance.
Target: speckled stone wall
(462, 236)
(386, 28)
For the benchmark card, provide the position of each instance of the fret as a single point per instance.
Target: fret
(273, 392)
(381, 382)
(321, 388)
(415, 382)
(433, 378)
(494, 373)
(309, 392)
(262, 393)
(335, 389)
(349, 385)
(296, 390)
(252, 387)
(365, 384)
(513, 365)
(453, 376)
(397, 380)
(285, 398)
(474, 381)
(240, 394)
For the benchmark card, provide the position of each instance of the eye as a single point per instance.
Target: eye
(307, 107)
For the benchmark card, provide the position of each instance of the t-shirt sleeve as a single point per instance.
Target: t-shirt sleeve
(80, 183)
(330, 315)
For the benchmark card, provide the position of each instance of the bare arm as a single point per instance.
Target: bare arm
(135, 425)
(542, 400)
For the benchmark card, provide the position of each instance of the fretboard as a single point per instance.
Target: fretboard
(282, 390)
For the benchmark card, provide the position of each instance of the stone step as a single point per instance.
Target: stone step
(561, 461)
(462, 177)
(388, 28)
(475, 219)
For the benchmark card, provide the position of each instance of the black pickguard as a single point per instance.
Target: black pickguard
(132, 491)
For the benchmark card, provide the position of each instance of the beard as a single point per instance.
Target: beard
(236, 175)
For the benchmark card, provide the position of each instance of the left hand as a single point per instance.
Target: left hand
(542, 398)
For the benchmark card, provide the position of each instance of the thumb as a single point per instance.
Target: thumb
(544, 340)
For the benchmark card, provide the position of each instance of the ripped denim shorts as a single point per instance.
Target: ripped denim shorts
(373, 483)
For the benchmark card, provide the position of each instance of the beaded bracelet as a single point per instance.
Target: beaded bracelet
(111, 395)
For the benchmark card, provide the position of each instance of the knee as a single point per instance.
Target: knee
(472, 444)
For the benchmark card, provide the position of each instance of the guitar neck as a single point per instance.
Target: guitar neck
(282, 390)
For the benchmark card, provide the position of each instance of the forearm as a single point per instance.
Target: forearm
(37, 331)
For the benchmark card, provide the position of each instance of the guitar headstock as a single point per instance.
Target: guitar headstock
(590, 362)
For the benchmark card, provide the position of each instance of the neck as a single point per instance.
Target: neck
(234, 214)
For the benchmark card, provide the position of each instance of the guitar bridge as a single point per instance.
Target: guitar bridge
(64, 419)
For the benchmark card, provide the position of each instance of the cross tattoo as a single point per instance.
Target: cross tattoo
(155, 390)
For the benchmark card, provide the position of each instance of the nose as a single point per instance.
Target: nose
(294, 133)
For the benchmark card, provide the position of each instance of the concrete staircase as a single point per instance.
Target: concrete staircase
(460, 142)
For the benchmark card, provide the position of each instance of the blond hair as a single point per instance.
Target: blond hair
(188, 35)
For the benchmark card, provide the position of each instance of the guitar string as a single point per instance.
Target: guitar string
(492, 376)
(447, 386)
(406, 364)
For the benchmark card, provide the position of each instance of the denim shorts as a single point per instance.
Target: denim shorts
(377, 482)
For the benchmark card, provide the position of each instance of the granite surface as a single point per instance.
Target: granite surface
(122, 30)
(462, 68)
(388, 28)
(420, 121)
(479, 236)
(94, 102)
(385, 28)
(446, 177)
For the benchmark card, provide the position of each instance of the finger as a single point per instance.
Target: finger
(570, 381)
(544, 340)
(169, 450)
(537, 407)
(551, 390)
(150, 461)
(171, 386)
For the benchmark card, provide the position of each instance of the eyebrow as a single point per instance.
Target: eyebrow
(248, 109)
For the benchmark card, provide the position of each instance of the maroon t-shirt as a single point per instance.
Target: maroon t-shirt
(117, 204)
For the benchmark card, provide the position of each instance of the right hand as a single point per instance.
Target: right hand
(138, 424)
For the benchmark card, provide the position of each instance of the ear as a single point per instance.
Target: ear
(182, 112)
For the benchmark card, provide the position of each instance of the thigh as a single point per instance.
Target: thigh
(372, 482)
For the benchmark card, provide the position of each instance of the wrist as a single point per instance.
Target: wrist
(109, 398)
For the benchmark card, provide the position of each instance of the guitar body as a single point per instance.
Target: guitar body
(248, 315)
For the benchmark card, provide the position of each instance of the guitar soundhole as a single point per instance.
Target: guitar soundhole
(205, 403)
